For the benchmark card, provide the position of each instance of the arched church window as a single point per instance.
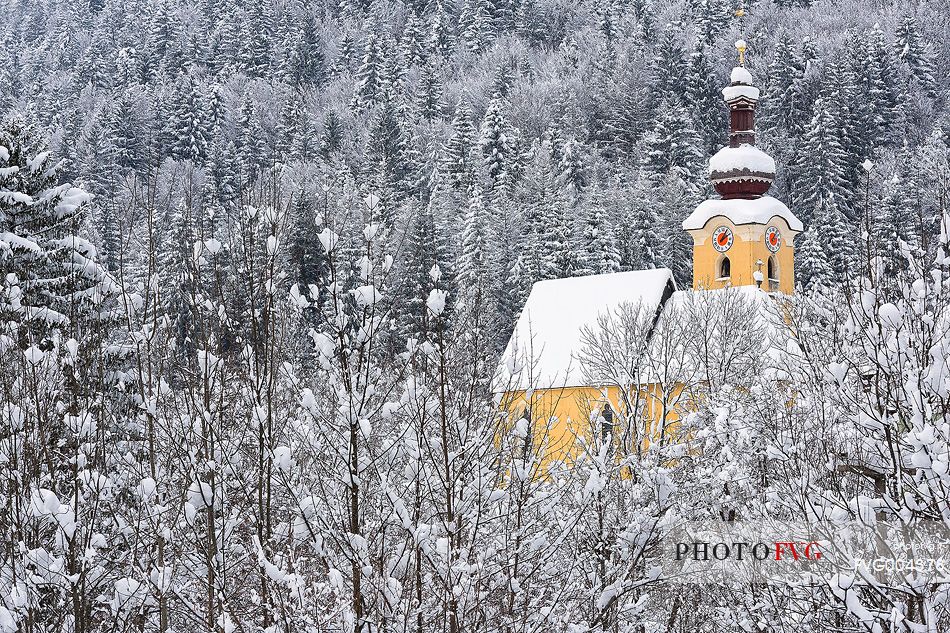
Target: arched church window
(725, 270)
(773, 269)
(526, 443)
(607, 425)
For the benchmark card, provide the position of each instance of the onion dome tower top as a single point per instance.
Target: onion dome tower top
(741, 170)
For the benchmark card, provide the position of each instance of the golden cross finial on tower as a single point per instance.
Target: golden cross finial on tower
(741, 47)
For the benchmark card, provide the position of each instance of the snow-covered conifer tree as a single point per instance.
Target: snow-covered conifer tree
(458, 155)
(499, 146)
(331, 140)
(913, 51)
(673, 147)
(429, 103)
(370, 76)
(50, 271)
(826, 169)
(600, 253)
(191, 124)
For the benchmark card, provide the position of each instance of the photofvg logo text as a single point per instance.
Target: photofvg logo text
(743, 550)
(767, 551)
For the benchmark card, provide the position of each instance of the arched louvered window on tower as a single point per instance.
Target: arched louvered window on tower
(773, 273)
(724, 270)
(607, 424)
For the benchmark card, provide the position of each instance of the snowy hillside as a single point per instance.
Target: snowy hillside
(259, 260)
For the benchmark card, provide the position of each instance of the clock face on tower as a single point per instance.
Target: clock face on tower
(773, 239)
(722, 239)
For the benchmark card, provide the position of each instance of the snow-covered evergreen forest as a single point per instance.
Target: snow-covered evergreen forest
(259, 260)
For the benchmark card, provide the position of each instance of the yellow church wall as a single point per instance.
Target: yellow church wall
(561, 421)
(748, 247)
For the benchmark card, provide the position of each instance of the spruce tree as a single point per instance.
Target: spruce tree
(412, 43)
(225, 171)
(429, 102)
(888, 226)
(395, 72)
(190, 127)
(458, 161)
(599, 250)
(100, 174)
(513, 293)
(781, 105)
(346, 59)
(441, 40)
(560, 258)
(308, 262)
(639, 241)
(476, 310)
(862, 86)
(811, 268)
(161, 38)
(608, 18)
(215, 109)
(671, 194)
(879, 56)
(837, 239)
(504, 16)
(223, 36)
(668, 64)
(639, 246)
(529, 256)
(498, 146)
(548, 234)
(912, 51)
(475, 263)
(388, 167)
(425, 249)
(177, 277)
(97, 166)
(673, 146)
(572, 168)
(126, 132)
(307, 60)
(621, 116)
(475, 26)
(857, 120)
(712, 17)
(288, 127)
(504, 78)
(51, 281)
(331, 139)
(252, 151)
(257, 41)
(826, 255)
(703, 99)
(306, 144)
(827, 169)
(370, 76)
(898, 216)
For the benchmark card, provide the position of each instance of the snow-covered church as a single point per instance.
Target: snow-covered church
(576, 357)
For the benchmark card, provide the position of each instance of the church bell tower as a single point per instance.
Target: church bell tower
(743, 238)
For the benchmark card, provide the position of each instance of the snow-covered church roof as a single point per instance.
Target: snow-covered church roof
(741, 75)
(742, 211)
(543, 350)
(548, 347)
(741, 86)
(745, 161)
